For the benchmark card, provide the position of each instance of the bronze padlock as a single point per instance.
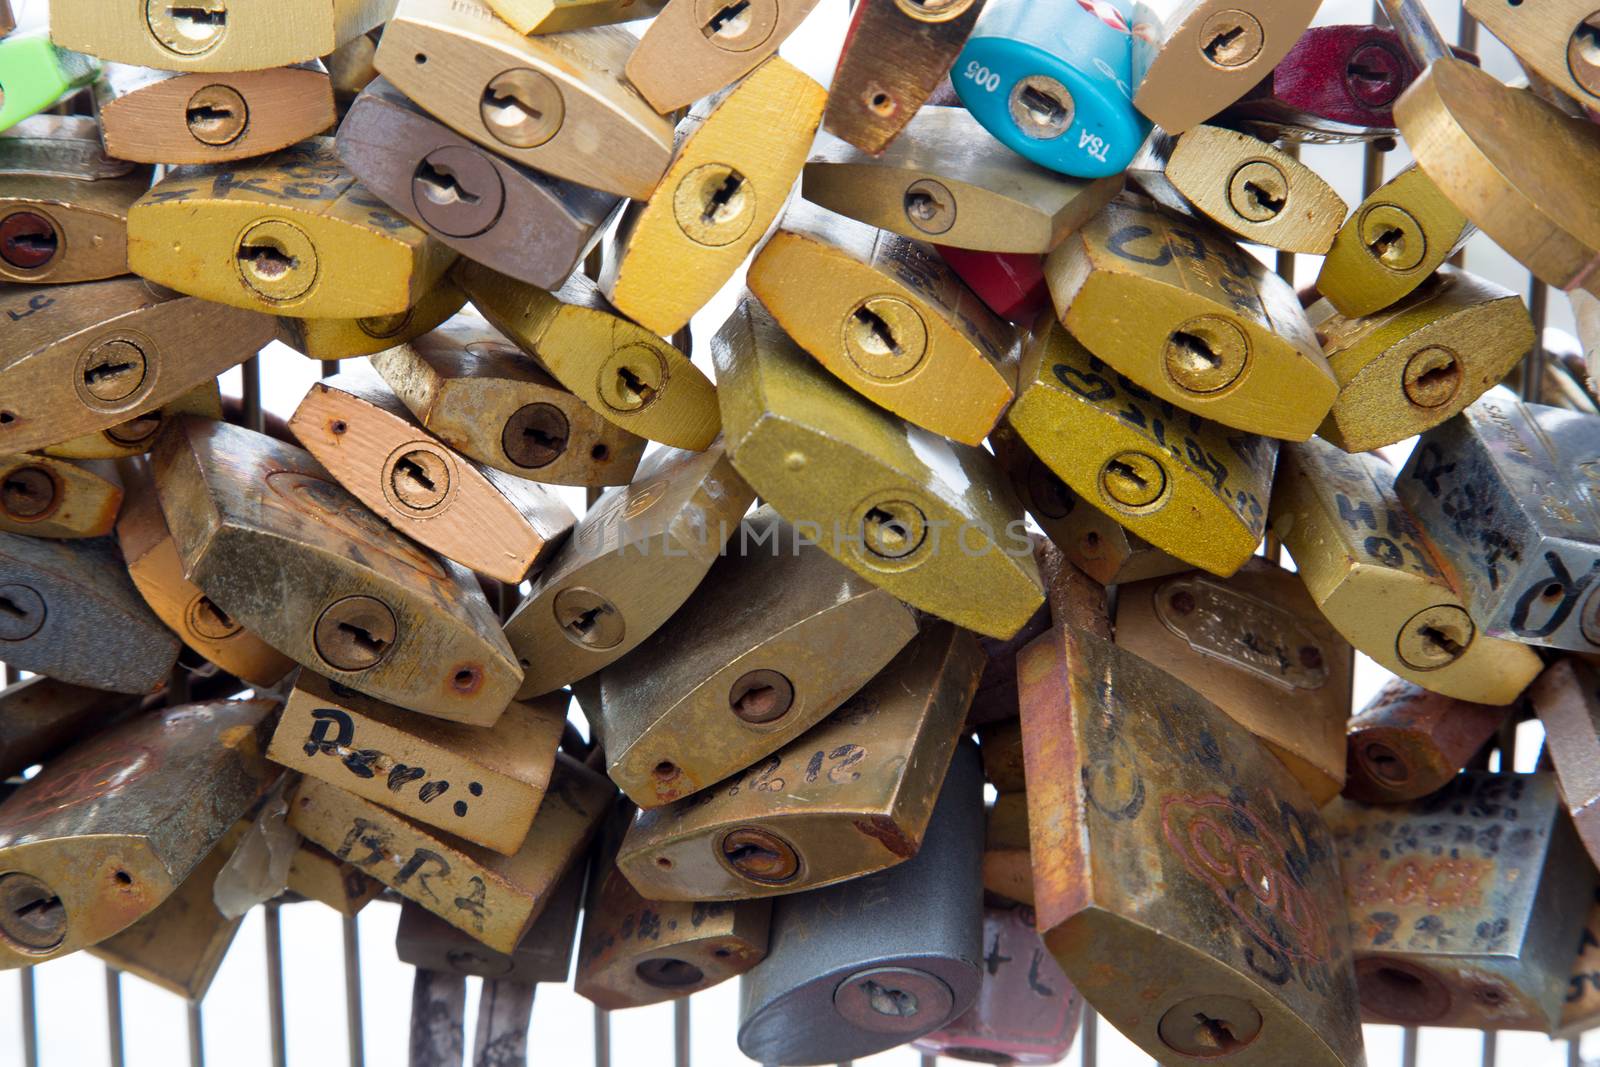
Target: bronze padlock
(42, 496)
(138, 435)
(1409, 742)
(426, 941)
(40, 716)
(317, 874)
(693, 48)
(329, 339)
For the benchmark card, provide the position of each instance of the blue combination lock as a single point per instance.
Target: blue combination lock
(1050, 79)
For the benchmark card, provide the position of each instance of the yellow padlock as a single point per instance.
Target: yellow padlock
(328, 339)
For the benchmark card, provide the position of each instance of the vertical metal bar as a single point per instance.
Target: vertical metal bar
(602, 1038)
(680, 1032)
(330, 367)
(274, 929)
(30, 1019)
(505, 1007)
(1372, 163)
(250, 391)
(929, 1061)
(1575, 1052)
(438, 1010)
(1089, 1038)
(1467, 32)
(1533, 366)
(1409, 1041)
(197, 1035)
(1491, 1048)
(114, 1014)
(352, 993)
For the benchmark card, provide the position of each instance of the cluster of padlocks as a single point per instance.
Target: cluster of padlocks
(998, 431)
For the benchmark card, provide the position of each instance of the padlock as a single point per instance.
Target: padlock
(317, 874)
(42, 496)
(1007, 858)
(629, 375)
(694, 48)
(1169, 844)
(88, 357)
(1000, 745)
(63, 202)
(1567, 700)
(1257, 647)
(1493, 491)
(776, 637)
(520, 222)
(1464, 906)
(944, 179)
(886, 316)
(494, 898)
(483, 784)
(739, 154)
(880, 493)
(1391, 244)
(40, 716)
(424, 940)
(38, 74)
(543, 102)
(1191, 62)
(995, 701)
(69, 610)
(1381, 581)
(290, 234)
(851, 970)
(1254, 190)
(110, 829)
(157, 571)
(350, 69)
(558, 16)
(328, 339)
(896, 55)
(370, 609)
(1408, 742)
(631, 561)
(1581, 1004)
(482, 397)
(1075, 599)
(1053, 84)
(1217, 333)
(1191, 487)
(1553, 39)
(1026, 1012)
(849, 797)
(1010, 285)
(487, 521)
(159, 116)
(138, 435)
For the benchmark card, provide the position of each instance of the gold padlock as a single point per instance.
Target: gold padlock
(558, 16)
(738, 156)
(138, 435)
(350, 68)
(1408, 743)
(1007, 858)
(631, 561)
(881, 494)
(777, 636)
(544, 954)
(371, 609)
(328, 339)
(693, 48)
(1216, 332)
(546, 102)
(42, 496)
(890, 319)
(1552, 39)
(1189, 486)
(317, 874)
(851, 796)
(40, 716)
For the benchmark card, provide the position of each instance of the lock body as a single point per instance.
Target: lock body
(544, 954)
(1552, 39)
(1011, 285)
(328, 339)
(1408, 742)
(693, 48)
(138, 435)
(38, 74)
(1000, 745)
(317, 874)
(1564, 698)
(42, 496)
(1007, 857)
(40, 716)
(558, 16)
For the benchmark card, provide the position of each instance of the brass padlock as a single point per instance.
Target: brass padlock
(69, 610)
(494, 898)
(1217, 333)
(138, 435)
(544, 102)
(1464, 906)
(851, 970)
(1381, 581)
(693, 48)
(1408, 742)
(1552, 39)
(328, 339)
(42, 496)
(851, 796)
(483, 784)
(944, 179)
(63, 202)
(1581, 1005)
(40, 716)
(370, 609)
(317, 874)
(1252, 189)
(1007, 857)
(110, 829)
(426, 941)
(1424, 359)
(1257, 647)
(1191, 487)
(890, 319)
(629, 375)
(515, 219)
(558, 16)
(881, 494)
(88, 357)
(1566, 698)
(631, 561)
(289, 234)
(350, 68)
(159, 116)
(487, 400)
(1164, 833)
(738, 156)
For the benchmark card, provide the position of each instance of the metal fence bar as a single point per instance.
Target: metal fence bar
(602, 1037)
(680, 1032)
(274, 930)
(1089, 1038)
(30, 1019)
(250, 393)
(352, 992)
(1409, 1043)
(197, 1035)
(1491, 1048)
(114, 1015)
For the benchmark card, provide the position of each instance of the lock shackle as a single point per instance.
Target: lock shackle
(1417, 31)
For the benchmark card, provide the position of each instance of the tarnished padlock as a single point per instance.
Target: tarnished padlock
(1000, 745)
(738, 156)
(1408, 742)
(1567, 700)
(290, 234)
(424, 940)
(158, 116)
(484, 784)
(695, 47)
(545, 102)
(850, 970)
(1218, 333)
(851, 796)
(138, 435)
(1381, 581)
(40, 716)
(943, 179)
(350, 68)
(317, 874)
(39, 73)
(371, 609)
(327, 339)
(1007, 857)
(110, 829)
(557, 16)
(1189, 486)
(1182, 878)
(1257, 647)
(1581, 1005)
(515, 219)
(882, 495)
(42, 496)
(631, 561)
(1011, 285)
(1553, 39)
(1464, 906)
(484, 398)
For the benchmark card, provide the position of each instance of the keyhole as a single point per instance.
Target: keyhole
(1390, 242)
(1215, 1033)
(442, 187)
(206, 115)
(1362, 72)
(886, 1001)
(749, 854)
(1220, 43)
(1123, 470)
(198, 16)
(634, 387)
(1437, 378)
(1045, 109)
(921, 206)
(878, 334)
(1265, 199)
(1587, 38)
(584, 621)
(1196, 346)
(892, 532)
(757, 704)
(416, 474)
(267, 261)
(37, 913)
(362, 638)
(35, 242)
(11, 608)
(730, 21)
(1443, 641)
(545, 440)
(716, 207)
(510, 109)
